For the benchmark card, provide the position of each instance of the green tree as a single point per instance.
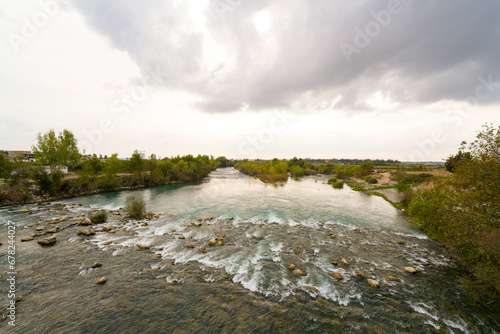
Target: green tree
(137, 163)
(454, 161)
(55, 150)
(5, 166)
(464, 214)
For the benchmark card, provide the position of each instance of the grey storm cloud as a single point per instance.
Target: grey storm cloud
(314, 53)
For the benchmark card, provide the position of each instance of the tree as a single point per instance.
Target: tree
(137, 163)
(464, 214)
(5, 166)
(454, 161)
(55, 150)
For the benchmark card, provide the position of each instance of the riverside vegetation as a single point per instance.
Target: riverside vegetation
(23, 182)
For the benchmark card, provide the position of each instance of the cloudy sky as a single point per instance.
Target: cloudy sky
(405, 79)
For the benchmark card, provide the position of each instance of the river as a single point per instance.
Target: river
(183, 285)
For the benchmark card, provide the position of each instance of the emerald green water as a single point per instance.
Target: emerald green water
(229, 193)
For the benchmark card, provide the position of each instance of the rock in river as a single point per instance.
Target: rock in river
(336, 275)
(393, 279)
(299, 272)
(291, 266)
(212, 242)
(86, 221)
(373, 283)
(101, 280)
(411, 270)
(48, 241)
(85, 231)
(54, 229)
(141, 246)
(25, 239)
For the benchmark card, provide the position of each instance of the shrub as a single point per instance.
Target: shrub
(332, 180)
(99, 217)
(338, 185)
(135, 207)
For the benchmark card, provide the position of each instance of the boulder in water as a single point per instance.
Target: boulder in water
(220, 242)
(85, 231)
(344, 261)
(411, 270)
(106, 228)
(203, 250)
(212, 242)
(291, 266)
(101, 280)
(299, 272)
(335, 262)
(373, 283)
(25, 239)
(336, 275)
(96, 265)
(392, 278)
(361, 274)
(142, 246)
(107, 243)
(54, 229)
(190, 246)
(47, 241)
(40, 228)
(86, 221)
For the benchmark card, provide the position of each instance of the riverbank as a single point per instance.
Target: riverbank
(126, 182)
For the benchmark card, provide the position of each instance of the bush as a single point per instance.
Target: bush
(371, 180)
(332, 180)
(135, 207)
(338, 185)
(100, 217)
(48, 183)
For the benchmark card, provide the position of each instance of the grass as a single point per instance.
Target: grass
(135, 207)
(99, 217)
(338, 185)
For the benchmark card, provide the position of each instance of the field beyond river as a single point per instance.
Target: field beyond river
(290, 258)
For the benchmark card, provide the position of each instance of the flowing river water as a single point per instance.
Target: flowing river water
(181, 284)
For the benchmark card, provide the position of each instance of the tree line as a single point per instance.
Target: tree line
(278, 170)
(20, 181)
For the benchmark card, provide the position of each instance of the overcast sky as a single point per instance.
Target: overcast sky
(405, 80)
